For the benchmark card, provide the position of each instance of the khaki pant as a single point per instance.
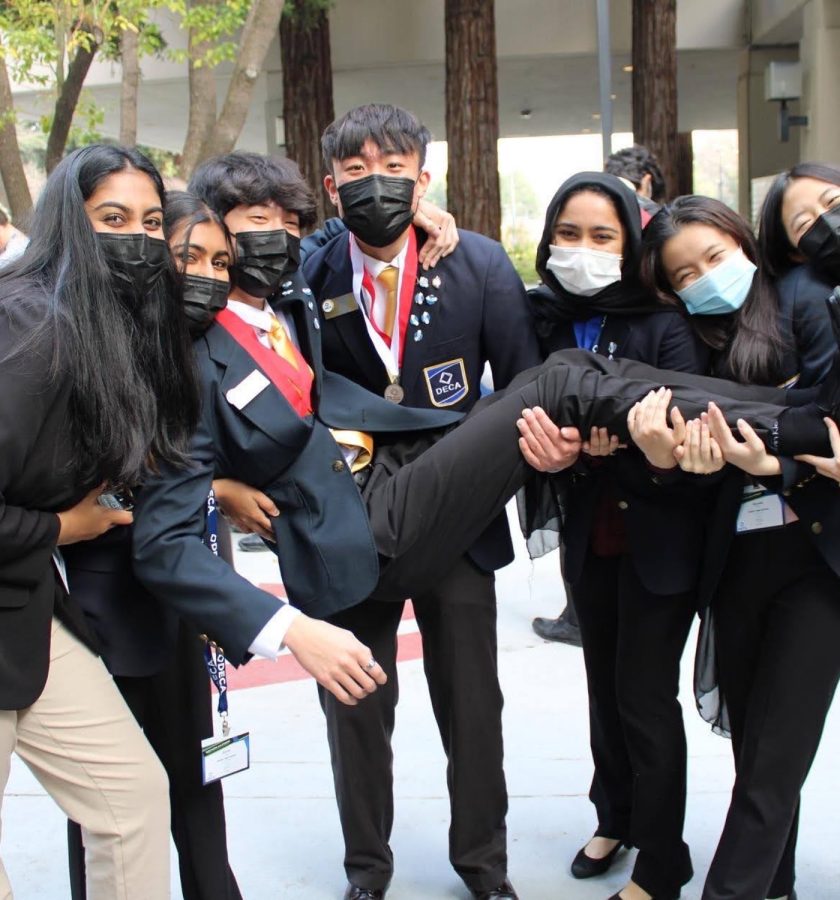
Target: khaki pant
(85, 748)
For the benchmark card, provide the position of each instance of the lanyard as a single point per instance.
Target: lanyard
(214, 656)
(390, 352)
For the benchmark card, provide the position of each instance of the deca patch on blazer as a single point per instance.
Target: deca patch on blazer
(447, 382)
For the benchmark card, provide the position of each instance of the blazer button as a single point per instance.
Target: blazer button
(623, 504)
(816, 527)
(338, 465)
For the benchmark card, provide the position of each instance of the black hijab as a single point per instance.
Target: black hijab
(551, 303)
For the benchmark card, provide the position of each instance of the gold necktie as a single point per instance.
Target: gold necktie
(388, 278)
(281, 343)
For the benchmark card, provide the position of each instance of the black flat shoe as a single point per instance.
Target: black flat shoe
(584, 866)
(354, 892)
(504, 891)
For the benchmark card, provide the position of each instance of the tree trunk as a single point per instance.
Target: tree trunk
(257, 33)
(472, 115)
(685, 164)
(655, 83)
(68, 98)
(307, 93)
(202, 112)
(129, 87)
(11, 164)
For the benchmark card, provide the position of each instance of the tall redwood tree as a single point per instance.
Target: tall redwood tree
(655, 83)
(472, 115)
(307, 89)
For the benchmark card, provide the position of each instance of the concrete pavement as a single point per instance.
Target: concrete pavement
(282, 825)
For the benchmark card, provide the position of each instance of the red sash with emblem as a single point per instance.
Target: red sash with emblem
(295, 384)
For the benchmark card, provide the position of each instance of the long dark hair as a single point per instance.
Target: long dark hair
(134, 394)
(749, 340)
(778, 255)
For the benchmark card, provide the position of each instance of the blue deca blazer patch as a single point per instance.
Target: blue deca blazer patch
(446, 382)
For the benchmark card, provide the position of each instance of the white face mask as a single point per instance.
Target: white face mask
(583, 271)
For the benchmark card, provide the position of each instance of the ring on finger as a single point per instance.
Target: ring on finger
(371, 664)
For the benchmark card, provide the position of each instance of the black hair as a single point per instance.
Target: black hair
(389, 127)
(748, 340)
(185, 210)
(778, 255)
(248, 179)
(633, 163)
(133, 391)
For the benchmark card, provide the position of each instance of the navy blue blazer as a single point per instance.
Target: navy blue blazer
(660, 510)
(327, 555)
(136, 633)
(476, 309)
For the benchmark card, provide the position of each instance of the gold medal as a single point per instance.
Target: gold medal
(394, 393)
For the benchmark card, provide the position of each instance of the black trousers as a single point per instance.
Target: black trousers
(174, 710)
(777, 628)
(428, 501)
(457, 620)
(633, 641)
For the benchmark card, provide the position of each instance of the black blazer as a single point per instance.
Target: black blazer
(809, 351)
(36, 481)
(478, 315)
(660, 510)
(805, 326)
(326, 550)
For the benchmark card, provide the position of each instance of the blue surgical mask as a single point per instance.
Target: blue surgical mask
(722, 289)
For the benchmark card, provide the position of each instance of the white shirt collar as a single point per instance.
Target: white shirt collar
(375, 266)
(257, 318)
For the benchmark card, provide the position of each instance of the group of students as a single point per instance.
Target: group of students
(157, 350)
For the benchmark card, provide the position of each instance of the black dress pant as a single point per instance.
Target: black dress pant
(174, 710)
(633, 641)
(777, 629)
(457, 620)
(428, 501)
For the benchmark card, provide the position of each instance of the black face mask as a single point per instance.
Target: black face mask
(136, 261)
(821, 244)
(203, 298)
(377, 208)
(263, 260)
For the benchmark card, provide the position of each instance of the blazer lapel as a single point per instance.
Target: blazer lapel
(350, 327)
(268, 410)
(430, 289)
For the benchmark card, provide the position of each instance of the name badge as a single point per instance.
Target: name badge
(244, 392)
(339, 306)
(225, 756)
(758, 513)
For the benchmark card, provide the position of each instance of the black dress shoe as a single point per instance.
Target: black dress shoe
(354, 892)
(504, 891)
(584, 866)
(251, 543)
(557, 630)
